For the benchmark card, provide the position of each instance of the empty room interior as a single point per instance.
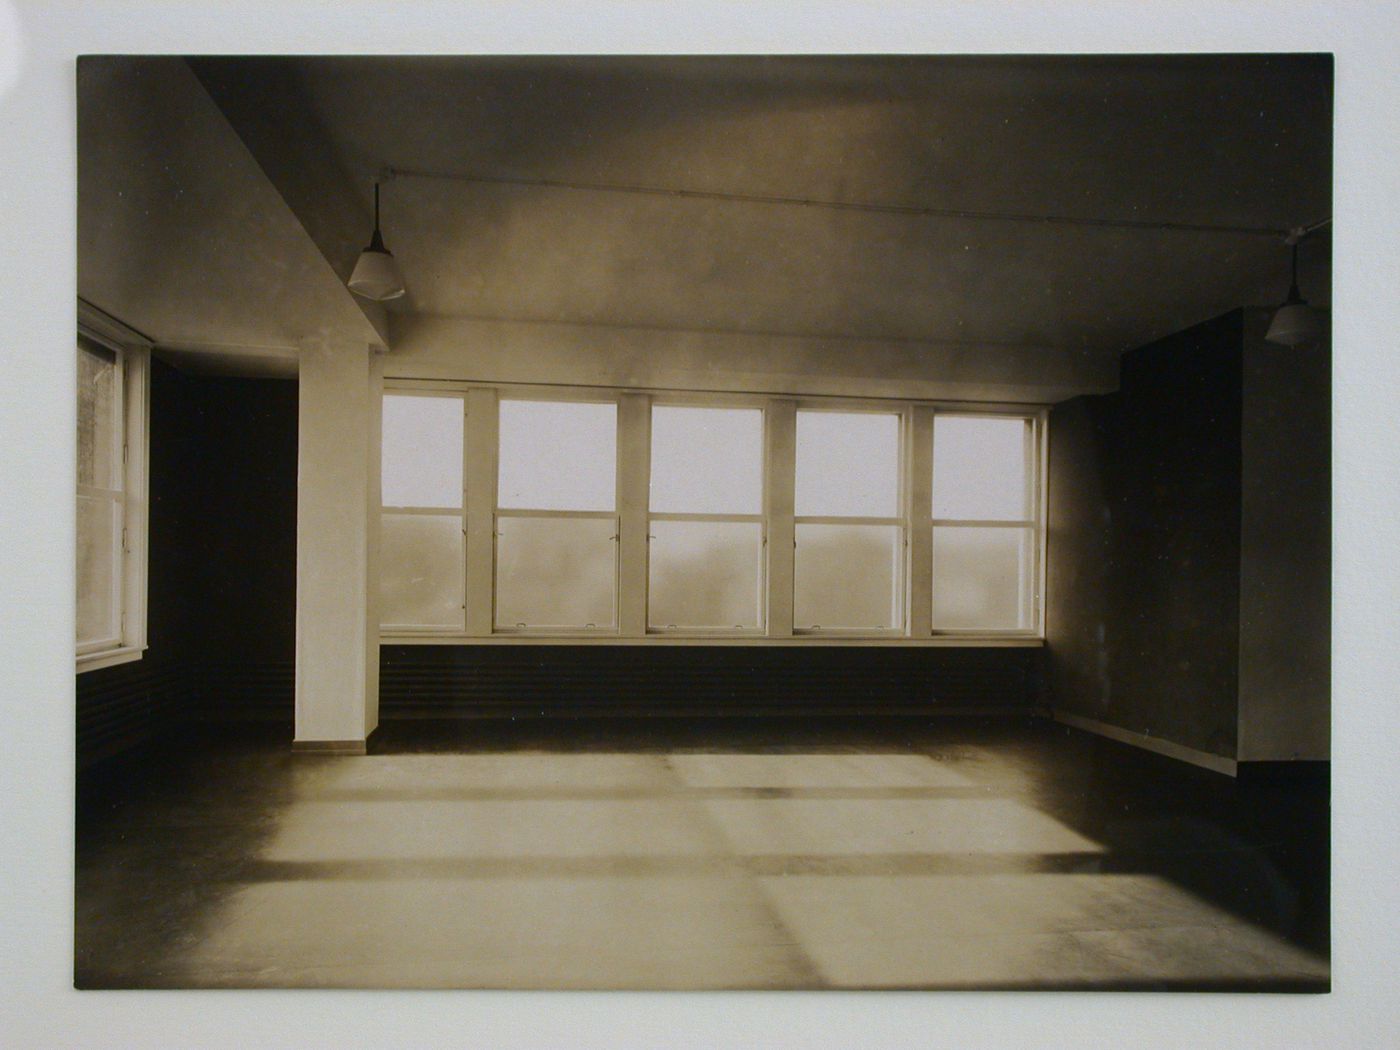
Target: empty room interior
(707, 522)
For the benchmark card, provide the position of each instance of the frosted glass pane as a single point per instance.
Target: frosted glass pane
(705, 574)
(981, 578)
(847, 464)
(846, 576)
(422, 446)
(420, 571)
(706, 460)
(97, 421)
(555, 572)
(558, 455)
(979, 469)
(98, 536)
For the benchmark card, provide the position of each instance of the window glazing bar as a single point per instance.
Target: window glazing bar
(633, 493)
(779, 471)
(480, 437)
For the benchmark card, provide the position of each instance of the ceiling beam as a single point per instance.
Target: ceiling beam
(266, 105)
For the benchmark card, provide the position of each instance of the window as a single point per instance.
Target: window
(848, 563)
(556, 519)
(984, 523)
(110, 563)
(705, 540)
(422, 573)
(523, 514)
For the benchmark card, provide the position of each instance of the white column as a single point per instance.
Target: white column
(337, 658)
(373, 519)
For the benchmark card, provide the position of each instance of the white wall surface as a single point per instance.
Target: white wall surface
(337, 482)
(521, 352)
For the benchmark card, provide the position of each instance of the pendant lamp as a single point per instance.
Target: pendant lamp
(376, 275)
(1295, 322)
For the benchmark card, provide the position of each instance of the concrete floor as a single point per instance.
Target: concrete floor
(961, 855)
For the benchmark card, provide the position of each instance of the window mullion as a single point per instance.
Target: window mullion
(481, 436)
(920, 535)
(780, 470)
(633, 484)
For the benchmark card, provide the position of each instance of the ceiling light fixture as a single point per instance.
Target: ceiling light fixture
(376, 275)
(1295, 323)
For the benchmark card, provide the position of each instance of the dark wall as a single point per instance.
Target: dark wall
(1285, 558)
(1080, 555)
(1144, 548)
(222, 570)
(520, 681)
(246, 530)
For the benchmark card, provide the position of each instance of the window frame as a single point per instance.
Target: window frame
(132, 351)
(614, 516)
(459, 512)
(632, 513)
(1036, 463)
(900, 599)
(675, 400)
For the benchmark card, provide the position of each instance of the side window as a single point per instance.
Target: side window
(110, 554)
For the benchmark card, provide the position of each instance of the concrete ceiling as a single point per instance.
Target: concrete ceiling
(182, 237)
(1207, 140)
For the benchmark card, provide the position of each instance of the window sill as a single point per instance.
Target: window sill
(968, 641)
(110, 657)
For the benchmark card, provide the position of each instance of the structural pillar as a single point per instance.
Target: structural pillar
(337, 634)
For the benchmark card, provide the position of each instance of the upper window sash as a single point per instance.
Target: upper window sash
(706, 460)
(550, 458)
(964, 491)
(850, 464)
(422, 452)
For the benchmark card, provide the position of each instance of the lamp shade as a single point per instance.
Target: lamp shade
(376, 276)
(1295, 324)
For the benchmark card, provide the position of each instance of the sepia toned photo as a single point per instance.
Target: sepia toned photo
(704, 522)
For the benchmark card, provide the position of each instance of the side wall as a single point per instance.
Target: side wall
(1080, 564)
(1144, 548)
(1285, 567)
(246, 599)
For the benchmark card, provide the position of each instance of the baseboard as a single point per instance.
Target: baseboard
(333, 747)
(1204, 759)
